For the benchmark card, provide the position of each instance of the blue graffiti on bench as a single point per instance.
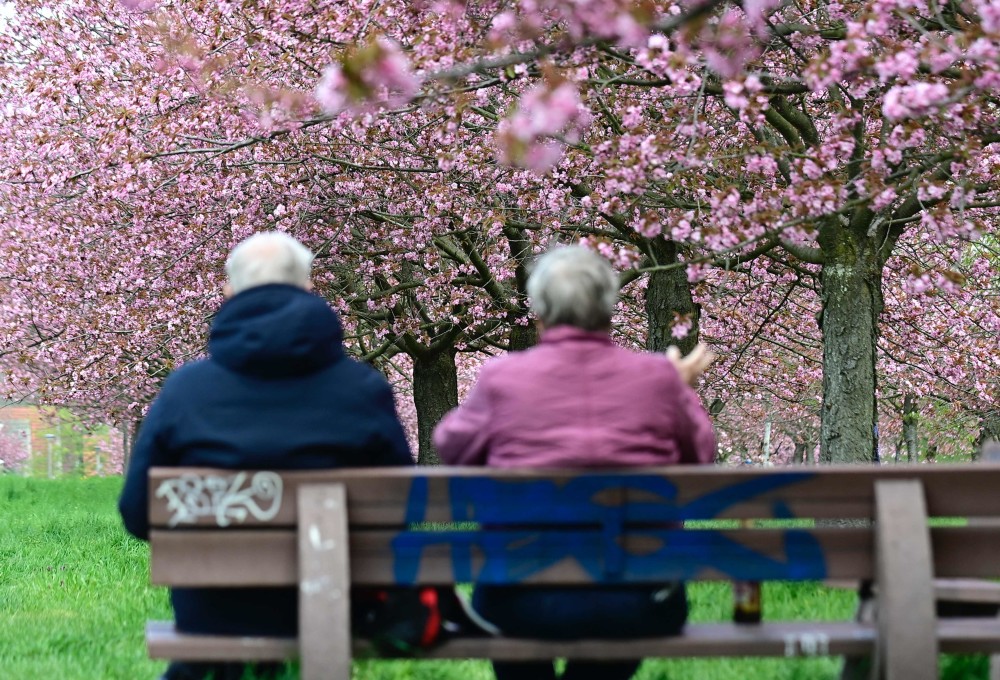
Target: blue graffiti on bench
(528, 526)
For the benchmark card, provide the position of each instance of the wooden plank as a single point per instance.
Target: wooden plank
(239, 558)
(966, 590)
(907, 648)
(957, 636)
(960, 590)
(324, 583)
(976, 635)
(966, 552)
(212, 558)
(394, 496)
(592, 556)
(232, 559)
(788, 639)
(163, 641)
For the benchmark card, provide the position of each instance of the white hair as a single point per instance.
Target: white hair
(573, 286)
(268, 257)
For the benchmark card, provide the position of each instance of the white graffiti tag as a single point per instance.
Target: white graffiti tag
(190, 497)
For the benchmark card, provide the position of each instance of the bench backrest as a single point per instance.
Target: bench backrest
(448, 525)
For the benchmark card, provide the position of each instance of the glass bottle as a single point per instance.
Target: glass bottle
(746, 596)
(746, 601)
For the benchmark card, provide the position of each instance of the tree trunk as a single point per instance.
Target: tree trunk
(667, 295)
(910, 418)
(435, 392)
(521, 336)
(799, 455)
(852, 302)
(767, 442)
(989, 431)
(129, 433)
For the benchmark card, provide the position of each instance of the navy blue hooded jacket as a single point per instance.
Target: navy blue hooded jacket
(277, 392)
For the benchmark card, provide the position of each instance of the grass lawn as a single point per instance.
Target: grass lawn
(75, 595)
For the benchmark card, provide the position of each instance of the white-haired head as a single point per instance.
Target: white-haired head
(573, 286)
(268, 257)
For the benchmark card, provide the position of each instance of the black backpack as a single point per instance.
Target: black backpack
(401, 622)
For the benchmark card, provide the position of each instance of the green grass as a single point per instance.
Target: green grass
(75, 595)
(74, 591)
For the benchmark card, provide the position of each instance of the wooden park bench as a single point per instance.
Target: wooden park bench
(324, 531)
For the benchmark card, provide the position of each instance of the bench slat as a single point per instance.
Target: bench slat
(956, 636)
(383, 496)
(269, 558)
(164, 642)
(238, 557)
(966, 590)
(950, 590)
(324, 593)
(711, 639)
(908, 644)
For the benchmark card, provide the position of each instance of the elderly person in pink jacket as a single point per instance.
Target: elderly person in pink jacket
(578, 400)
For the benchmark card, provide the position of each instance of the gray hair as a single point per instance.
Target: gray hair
(573, 286)
(268, 257)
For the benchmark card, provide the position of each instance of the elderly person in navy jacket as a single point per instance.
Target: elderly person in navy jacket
(578, 400)
(276, 392)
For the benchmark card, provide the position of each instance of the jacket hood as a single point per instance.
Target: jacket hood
(275, 331)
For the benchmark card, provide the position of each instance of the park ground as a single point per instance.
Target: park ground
(75, 594)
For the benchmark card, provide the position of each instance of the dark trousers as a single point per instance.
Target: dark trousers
(611, 612)
(184, 670)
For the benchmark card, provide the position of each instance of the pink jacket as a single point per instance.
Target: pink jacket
(577, 400)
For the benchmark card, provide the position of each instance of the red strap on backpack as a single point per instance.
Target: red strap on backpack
(429, 598)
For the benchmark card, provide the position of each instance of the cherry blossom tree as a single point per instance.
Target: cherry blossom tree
(13, 450)
(784, 154)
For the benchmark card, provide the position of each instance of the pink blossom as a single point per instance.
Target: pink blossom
(649, 226)
(903, 64)
(811, 169)
(960, 197)
(931, 192)
(756, 12)
(733, 94)
(728, 45)
(682, 230)
(331, 90)
(884, 199)
(696, 272)
(913, 101)
(918, 285)
(989, 15)
(681, 327)
(539, 156)
(629, 32)
(762, 164)
(392, 71)
(378, 74)
(544, 112)
(940, 61)
(139, 5)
